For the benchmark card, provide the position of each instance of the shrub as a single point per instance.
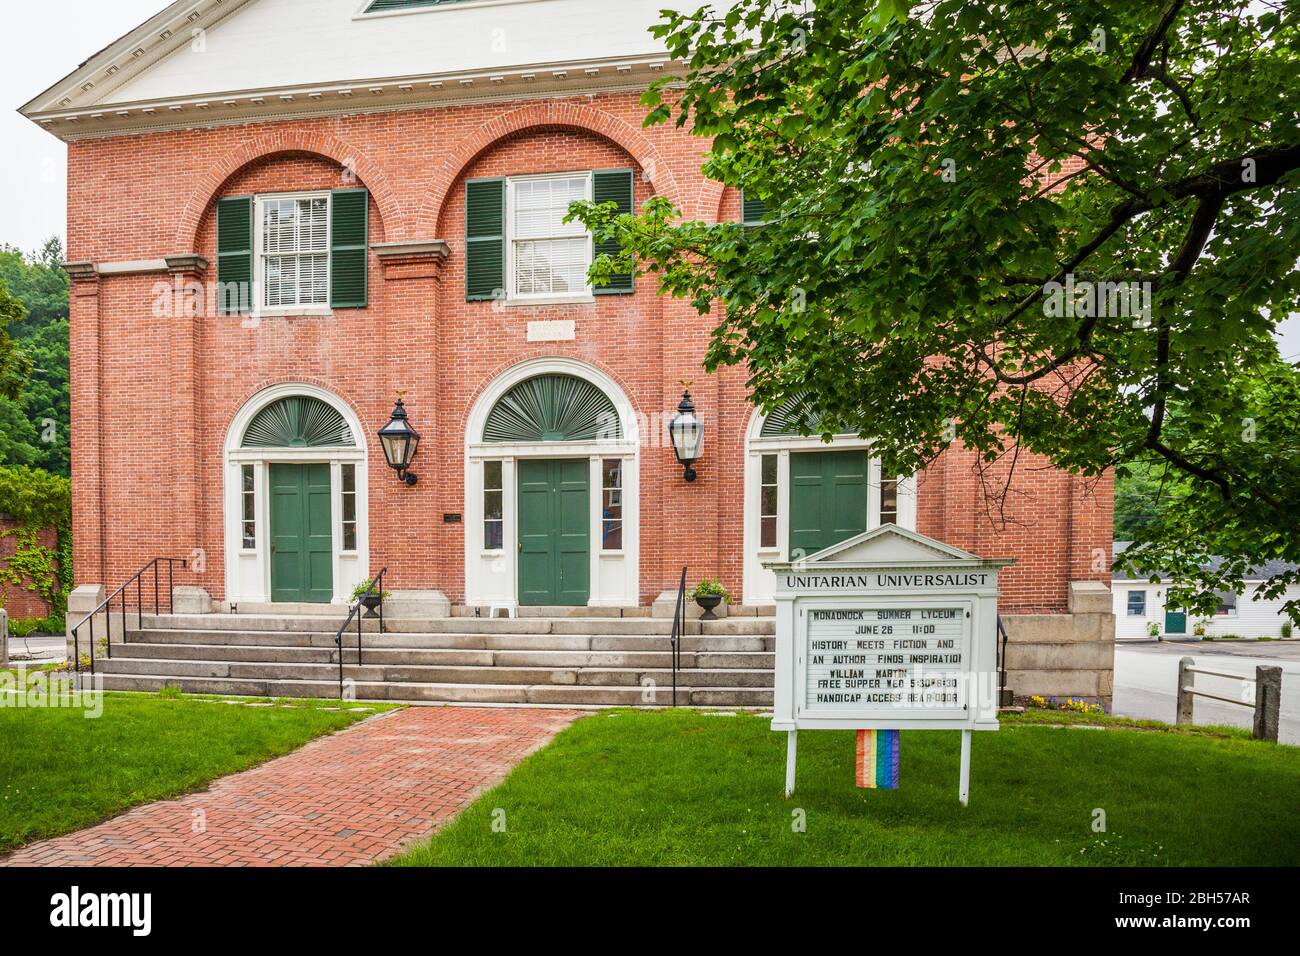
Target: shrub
(709, 587)
(37, 500)
(367, 587)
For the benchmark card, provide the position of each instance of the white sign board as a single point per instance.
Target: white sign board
(880, 658)
(887, 630)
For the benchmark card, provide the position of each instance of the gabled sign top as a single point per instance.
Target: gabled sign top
(887, 546)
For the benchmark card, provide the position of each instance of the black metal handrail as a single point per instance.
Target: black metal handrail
(679, 626)
(1002, 664)
(376, 586)
(123, 592)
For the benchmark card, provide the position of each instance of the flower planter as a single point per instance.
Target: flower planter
(707, 603)
(371, 602)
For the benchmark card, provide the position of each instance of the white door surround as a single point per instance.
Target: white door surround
(759, 584)
(248, 570)
(491, 573)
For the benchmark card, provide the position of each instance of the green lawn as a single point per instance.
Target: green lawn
(60, 771)
(672, 788)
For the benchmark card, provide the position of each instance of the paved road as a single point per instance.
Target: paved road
(36, 649)
(1146, 676)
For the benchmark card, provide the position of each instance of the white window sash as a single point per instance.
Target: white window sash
(569, 232)
(261, 256)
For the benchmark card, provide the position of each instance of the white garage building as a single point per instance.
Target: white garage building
(1139, 604)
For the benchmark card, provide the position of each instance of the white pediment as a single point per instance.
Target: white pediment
(887, 545)
(192, 59)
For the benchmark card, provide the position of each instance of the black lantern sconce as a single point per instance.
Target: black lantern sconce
(400, 441)
(687, 433)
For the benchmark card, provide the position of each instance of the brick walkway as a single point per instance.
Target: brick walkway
(347, 799)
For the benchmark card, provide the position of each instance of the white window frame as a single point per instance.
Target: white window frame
(622, 499)
(1128, 602)
(775, 547)
(512, 296)
(356, 505)
(1230, 612)
(245, 494)
(501, 490)
(259, 257)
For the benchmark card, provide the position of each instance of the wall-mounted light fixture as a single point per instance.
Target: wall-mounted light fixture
(687, 433)
(400, 441)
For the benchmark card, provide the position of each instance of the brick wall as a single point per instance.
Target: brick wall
(154, 395)
(21, 602)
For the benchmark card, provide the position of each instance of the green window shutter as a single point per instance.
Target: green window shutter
(234, 255)
(485, 238)
(613, 185)
(349, 255)
(753, 211)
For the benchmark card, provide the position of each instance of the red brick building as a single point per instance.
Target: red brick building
(382, 185)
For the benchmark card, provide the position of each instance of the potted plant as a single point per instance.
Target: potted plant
(1153, 629)
(708, 594)
(1198, 629)
(369, 597)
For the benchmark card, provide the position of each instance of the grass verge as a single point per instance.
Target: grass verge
(689, 788)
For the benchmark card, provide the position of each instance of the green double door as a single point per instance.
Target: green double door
(828, 499)
(302, 539)
(554, 532)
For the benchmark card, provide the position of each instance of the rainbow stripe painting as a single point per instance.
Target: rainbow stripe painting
(878, 759)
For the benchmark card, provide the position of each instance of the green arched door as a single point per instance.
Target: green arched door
(553, 495)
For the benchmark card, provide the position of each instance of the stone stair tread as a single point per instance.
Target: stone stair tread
(581, 660)
(320, 624)
(453, 692)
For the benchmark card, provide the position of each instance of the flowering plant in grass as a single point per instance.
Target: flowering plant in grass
(1076, 704)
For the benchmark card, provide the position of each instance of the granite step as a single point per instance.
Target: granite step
(435, 693)
(483, 641)
(440, 674)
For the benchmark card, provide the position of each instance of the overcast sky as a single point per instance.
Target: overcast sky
(46, 41)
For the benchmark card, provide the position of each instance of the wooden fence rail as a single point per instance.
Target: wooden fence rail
(1266, 700)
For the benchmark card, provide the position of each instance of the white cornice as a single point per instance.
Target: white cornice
(130, 55)
(374, 95)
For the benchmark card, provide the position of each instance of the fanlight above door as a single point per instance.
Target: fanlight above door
(298, 422)
(553, 407)
(792, 417)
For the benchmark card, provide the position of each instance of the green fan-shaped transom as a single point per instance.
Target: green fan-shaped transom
(791, 417)
(553, 407)
(298, 422)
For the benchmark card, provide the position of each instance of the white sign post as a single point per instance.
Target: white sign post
(889, 630)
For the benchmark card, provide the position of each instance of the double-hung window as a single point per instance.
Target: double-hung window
(548, 258)
(293, 250)
(1137, 603)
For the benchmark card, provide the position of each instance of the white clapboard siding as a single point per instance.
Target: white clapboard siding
(327, 42)
(1252, 619)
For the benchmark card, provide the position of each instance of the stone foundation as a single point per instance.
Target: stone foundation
(1065, 655)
